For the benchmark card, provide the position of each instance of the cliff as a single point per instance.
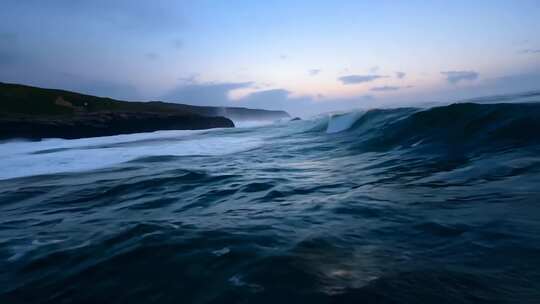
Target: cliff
(104, 124)
(31, 112)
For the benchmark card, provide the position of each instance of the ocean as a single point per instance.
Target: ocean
(405, 205)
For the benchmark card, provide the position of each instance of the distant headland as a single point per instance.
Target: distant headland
(36, 113)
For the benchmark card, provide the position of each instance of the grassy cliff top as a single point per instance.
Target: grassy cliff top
(25, 100)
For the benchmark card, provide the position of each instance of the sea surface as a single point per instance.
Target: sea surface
(406, 205)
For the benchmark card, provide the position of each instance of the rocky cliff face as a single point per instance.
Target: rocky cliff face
(104, 124)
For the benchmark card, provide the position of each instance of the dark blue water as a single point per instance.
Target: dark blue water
(438, 205)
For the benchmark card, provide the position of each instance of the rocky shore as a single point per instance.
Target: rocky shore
(104, 124)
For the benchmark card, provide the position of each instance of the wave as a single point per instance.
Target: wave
(456, 125)
(341, 122)
(465, 126)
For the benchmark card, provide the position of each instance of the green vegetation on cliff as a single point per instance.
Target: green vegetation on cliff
(26, 100)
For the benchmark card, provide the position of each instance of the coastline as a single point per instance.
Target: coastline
(104, 124)
(34, 113)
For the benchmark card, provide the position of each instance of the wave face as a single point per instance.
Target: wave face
(437, 205)
(342, 122)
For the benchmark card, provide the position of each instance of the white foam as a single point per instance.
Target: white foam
(19, 158)
(221, 252)
(252, 123)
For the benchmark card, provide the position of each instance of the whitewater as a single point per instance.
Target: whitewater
(402, 205)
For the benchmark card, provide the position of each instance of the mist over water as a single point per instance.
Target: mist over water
(401, 205)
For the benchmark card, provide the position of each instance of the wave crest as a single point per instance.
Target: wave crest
(456, 125)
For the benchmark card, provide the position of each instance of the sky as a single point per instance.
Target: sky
(305, 57)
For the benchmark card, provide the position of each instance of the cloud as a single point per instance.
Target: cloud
(192, 91)
(355, 79)
(178, 43)
(530, 51)
(454, 77)
(513, 83)
(204, 93)
(374, 69)
(314, 72)
(385, 89)
(400, 75)
(389, 88)
(151, 55)
(217, 94)
(267, 99)
(283, 57)
(281, 99)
